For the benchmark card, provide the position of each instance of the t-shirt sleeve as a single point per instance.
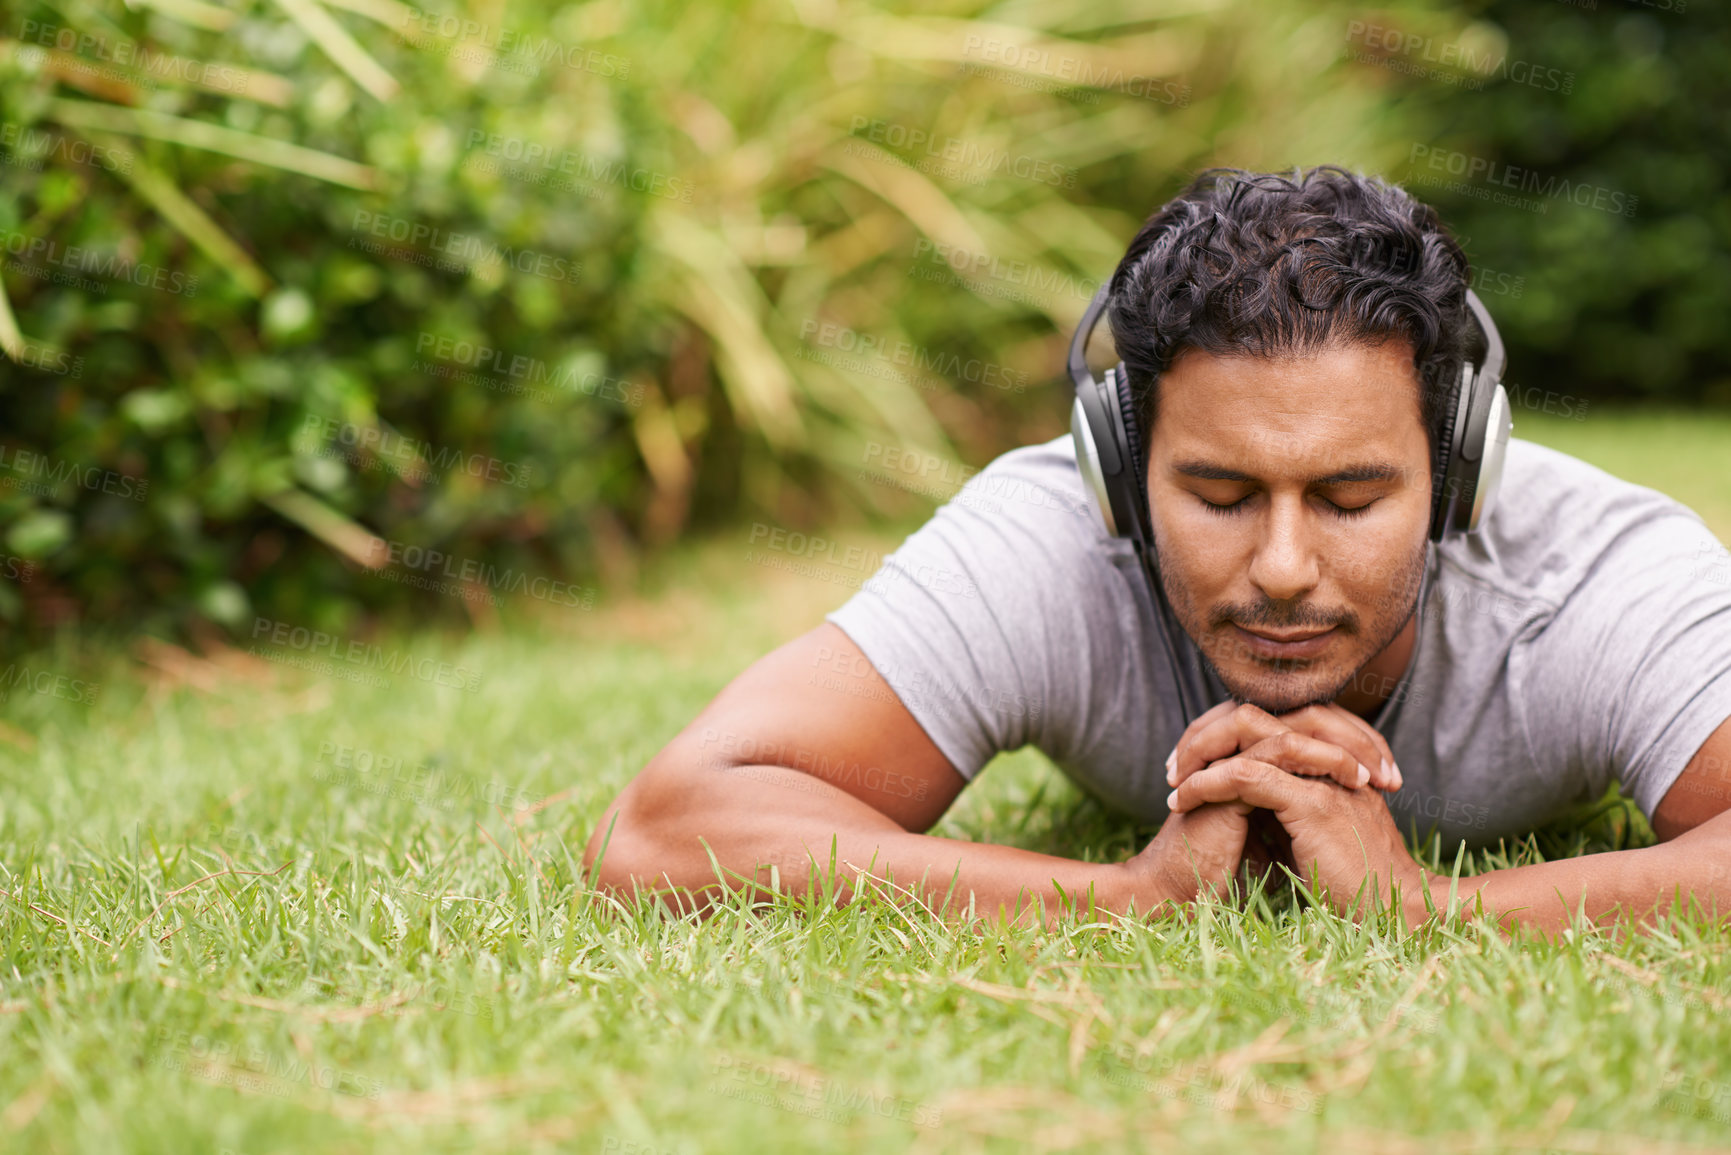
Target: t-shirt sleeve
(1633, 672)
(995, 620)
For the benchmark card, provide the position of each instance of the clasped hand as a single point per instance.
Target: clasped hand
(1318, 771)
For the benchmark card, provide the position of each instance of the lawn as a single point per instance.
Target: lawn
(253, 907)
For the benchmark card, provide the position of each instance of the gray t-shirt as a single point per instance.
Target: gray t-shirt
(1583, 635)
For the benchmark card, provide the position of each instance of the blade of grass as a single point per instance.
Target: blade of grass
(194, 12)
(719, 294)
(11, 337)
(180, 211)
(98, 78)
(128, 86)
(916, 197)
(345, 52)
(215, 138)
(342, 534)
(390, 13)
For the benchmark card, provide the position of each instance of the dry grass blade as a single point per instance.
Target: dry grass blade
(174, 894)
(56, 918)
(130, 86)
(180, 667)
(255, 85)
(345, 536)
(1657, 983)
(15, 736)
(719, 294)
(98, 78)
(11, 337)
(20, 1111)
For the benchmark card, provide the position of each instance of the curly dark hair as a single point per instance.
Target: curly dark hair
(1262, 264)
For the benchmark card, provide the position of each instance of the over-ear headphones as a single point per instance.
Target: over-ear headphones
(1471, 442)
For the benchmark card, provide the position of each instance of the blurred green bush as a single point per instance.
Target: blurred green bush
(304, 294)
(1607, 119)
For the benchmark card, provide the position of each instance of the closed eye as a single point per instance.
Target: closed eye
(1338, 510)
(1352, 511)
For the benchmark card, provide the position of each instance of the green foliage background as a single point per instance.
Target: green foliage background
(744, 206)
(1613, 307)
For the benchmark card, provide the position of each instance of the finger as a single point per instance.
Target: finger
(1340, 715)
(1236, 727)
(1341, 726)
(1298, 753)
(1197, 726)
(1334, 724)
(1244, 779)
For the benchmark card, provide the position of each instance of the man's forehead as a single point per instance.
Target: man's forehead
(1347, 411)
(1331, 380)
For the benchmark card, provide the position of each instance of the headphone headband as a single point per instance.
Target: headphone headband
(1495, 360)
(1078, 360)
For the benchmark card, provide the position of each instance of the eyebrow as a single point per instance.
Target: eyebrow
(1365, 471)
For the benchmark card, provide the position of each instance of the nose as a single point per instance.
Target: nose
(1285, 566)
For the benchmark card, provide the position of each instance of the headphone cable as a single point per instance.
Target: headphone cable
(1165, 620)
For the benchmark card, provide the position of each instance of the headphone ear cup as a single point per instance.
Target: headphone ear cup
(1492, 450)
(1444, 484)
(1088, 464)
(1119, 383)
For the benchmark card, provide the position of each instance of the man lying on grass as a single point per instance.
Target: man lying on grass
(1283, 341)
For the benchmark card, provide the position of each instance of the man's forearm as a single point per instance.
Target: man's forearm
(1602, 887)
(754, 817)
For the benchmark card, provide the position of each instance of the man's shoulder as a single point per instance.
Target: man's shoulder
(1037, 485)
(1024, 531)
(1048, 463)
(1558, 518)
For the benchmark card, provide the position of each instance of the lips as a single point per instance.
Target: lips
(1289, 644)
(1292, 636)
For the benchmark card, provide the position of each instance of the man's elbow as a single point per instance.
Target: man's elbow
(627, 842)
(646, 841)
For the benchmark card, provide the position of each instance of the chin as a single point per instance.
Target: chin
(1282, 693)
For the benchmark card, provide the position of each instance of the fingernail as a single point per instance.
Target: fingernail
(1387, 774)
(1399, 779)
(1172, 801)
(1363, 774)
(1172, 767)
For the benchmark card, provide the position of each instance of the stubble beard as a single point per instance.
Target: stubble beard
(1280, 687)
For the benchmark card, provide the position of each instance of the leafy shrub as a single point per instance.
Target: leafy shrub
(1603, 122)
(721, 258)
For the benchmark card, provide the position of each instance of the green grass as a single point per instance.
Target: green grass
(386, 970)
